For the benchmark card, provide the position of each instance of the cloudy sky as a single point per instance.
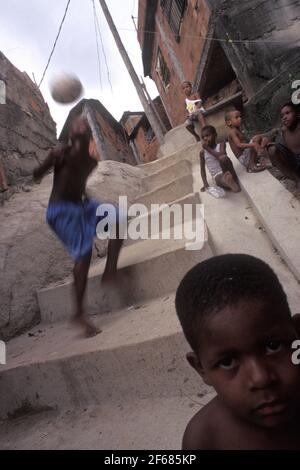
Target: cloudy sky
(27, 33)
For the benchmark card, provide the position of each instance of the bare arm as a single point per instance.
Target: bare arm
(203, 171)
(40, 171)
(195, 97)
(53, 156)
(214, 153)
(237, 141)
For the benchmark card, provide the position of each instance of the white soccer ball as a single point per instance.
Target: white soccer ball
(66, 88)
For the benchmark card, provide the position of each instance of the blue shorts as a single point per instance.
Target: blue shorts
(75, 224)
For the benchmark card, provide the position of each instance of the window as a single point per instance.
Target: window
(174, 11)
(162, 69)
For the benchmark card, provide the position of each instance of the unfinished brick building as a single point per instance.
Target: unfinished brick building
(237, 54)
(142, 140)
(112, 139)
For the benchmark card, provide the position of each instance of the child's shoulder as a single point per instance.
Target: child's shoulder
(202, 431)
(234, 131)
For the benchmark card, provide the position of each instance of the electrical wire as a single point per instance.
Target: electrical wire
(55, 42)
(228, 40)
(97, 44)
(103, 49)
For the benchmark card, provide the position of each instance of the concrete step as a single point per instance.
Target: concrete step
(167, 175)
(139, 355)
(118, 426)
(169, 192)
(277, 209)
(234, 226)
(149, 269)
(190, 153)
(163, 215)
(176, 139)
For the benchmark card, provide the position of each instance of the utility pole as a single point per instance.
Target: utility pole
(154, 122)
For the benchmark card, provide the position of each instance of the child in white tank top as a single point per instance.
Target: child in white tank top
(214, 157)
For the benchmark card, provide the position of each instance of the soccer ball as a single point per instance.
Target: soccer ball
(66, 88)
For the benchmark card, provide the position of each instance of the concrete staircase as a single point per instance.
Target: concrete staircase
(130, 387)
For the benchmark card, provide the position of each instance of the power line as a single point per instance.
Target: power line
(228, 40)
(55, 42)
(103, 49)
(97, 44)
(133, 7)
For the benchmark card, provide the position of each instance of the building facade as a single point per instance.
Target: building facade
(142, 140)
(110, 140)
(130, 141)
(242, 55)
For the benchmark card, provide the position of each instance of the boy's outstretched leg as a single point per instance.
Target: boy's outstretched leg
(80, 272)
(115, 287)
(110, 271)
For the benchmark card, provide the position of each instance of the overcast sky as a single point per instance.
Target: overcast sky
(27, 33)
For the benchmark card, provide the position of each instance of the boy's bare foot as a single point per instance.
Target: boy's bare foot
(231, 183)
(256, 169)
(90, 329)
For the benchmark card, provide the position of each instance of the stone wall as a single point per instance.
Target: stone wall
(27, 130)
(268, 61)
(270, 26)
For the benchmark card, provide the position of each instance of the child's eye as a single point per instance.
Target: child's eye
(227, 363)
(273, 346)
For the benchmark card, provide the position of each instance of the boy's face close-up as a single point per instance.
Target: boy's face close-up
(246, 355)
(288, 117)
(209, 138)
(235, 119)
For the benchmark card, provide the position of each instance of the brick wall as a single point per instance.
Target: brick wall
(147, 150)
(27, 130)
(181, 58)
(116, 143)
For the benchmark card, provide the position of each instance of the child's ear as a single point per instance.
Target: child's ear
(193, 360)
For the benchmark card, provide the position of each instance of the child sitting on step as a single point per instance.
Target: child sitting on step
(195, 110)
(214, 156)
(286, 153)
(248, 153)
(236, 318)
